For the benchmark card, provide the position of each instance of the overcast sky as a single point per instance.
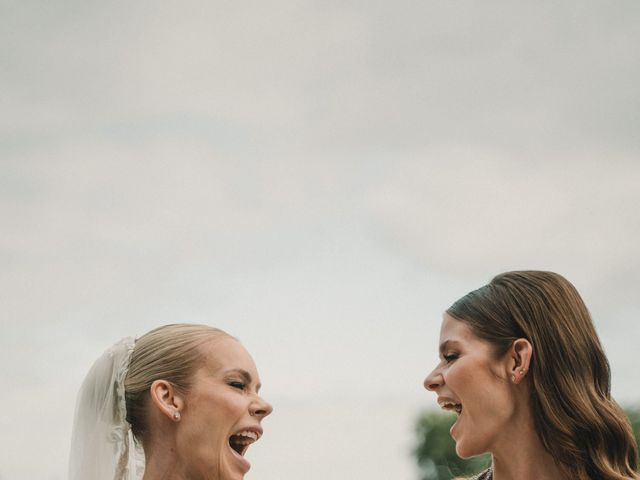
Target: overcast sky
(320, 179)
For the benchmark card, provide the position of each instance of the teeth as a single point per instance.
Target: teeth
(248, 434)
(447, 405)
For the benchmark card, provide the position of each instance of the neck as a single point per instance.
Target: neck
(159, 469)
(161, 463)
(522, 456)
(542, 467)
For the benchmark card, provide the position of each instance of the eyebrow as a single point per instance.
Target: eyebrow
(245, 375)
(445, 344)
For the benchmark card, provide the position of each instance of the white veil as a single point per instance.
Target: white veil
(102, 445)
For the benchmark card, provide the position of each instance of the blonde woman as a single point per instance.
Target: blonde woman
(523, 368)
(180, 402)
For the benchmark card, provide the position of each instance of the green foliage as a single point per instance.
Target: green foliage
(436, 450)
(634, 419)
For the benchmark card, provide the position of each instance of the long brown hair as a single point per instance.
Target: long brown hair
(578, 422)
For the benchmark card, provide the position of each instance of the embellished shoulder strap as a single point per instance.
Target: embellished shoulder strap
(486, 475)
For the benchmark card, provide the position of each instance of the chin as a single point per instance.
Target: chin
(464, 450)
(232, 476)
(231, 472)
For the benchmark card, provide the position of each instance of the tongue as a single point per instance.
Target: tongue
(238, 442)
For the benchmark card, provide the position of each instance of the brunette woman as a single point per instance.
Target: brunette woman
(523, 368)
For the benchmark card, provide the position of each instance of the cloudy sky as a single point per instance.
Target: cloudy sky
(321, 179)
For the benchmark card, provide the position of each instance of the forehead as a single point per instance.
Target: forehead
(223, 354)
(453, 330)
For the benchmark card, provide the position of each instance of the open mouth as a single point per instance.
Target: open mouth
(239, 442)
(451, 406)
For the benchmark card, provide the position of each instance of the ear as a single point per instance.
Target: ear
(167, 399)
(519, 360)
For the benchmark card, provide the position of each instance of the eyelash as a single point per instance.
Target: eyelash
(451, 357)
(238, 385)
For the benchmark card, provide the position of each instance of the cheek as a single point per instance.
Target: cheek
(216, 409)
(464, 377)
(211, 419)
(489, 407)
(205, 429)
(480, 390)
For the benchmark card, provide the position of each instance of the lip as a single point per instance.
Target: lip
(240, 460)
(454, 431)
(257, 429)
(442, 401)
(455, 427)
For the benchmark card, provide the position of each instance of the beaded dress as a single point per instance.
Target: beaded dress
(486, 475)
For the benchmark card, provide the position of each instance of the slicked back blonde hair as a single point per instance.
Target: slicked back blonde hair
(168, 353)
(578, 422)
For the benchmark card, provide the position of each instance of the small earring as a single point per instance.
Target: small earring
(176, 416)
(513, 378)
(522, 371)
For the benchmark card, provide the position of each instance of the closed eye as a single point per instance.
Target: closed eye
(238, 385)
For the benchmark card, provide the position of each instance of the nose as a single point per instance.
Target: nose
(260, 408)
(434, 380)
